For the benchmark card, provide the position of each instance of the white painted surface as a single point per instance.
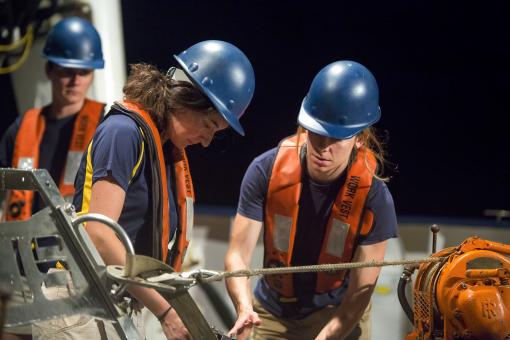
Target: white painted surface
(108, 83)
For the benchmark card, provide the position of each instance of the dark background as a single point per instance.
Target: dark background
(442, 69)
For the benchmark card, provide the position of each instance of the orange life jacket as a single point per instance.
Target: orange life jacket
(184, 191)
(348, 218)
(26, 154)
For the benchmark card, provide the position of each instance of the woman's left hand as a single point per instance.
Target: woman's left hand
(173, 327)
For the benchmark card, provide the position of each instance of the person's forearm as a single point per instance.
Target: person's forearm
(362, 282)
(113, 252)
(150, 298)
(238, 288)
(347, 315)
(240, 293)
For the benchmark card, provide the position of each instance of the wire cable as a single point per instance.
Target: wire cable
(27, 40)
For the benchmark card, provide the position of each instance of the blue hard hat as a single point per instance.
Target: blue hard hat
(342, 101)
(224, 74)
(73, 42)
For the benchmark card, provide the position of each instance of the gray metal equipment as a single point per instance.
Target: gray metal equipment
(25, 252)
(21, 261)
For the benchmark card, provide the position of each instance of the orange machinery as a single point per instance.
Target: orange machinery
(465, 295)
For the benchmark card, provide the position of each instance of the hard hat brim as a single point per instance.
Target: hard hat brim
(330, 130)
(231, 119)
(74, 63)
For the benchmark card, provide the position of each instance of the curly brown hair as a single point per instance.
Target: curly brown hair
(159, 95)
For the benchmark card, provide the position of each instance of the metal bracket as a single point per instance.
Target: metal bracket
(149, 272)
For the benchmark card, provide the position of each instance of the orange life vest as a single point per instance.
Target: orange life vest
(348, 218)
(26, 154)
(184, 191)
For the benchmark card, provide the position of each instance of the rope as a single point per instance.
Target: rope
(313, 268)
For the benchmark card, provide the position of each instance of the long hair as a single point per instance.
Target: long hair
(160, 96)
(371, 141)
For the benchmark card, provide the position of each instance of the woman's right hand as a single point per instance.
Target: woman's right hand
(173, 327)
(244, 324)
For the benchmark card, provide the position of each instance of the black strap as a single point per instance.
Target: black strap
(102, 329)
(157, 208)
(162, 316)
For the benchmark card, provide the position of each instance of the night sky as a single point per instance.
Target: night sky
(442, 69)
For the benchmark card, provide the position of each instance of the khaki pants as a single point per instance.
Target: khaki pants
(307, 328)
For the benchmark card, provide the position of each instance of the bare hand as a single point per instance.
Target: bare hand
(244, 324)
(173, 327)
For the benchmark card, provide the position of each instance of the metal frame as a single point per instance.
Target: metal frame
(90, 290)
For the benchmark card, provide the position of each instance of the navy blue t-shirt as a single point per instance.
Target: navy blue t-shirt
(52, 150)
(116, 152)
(316, 202)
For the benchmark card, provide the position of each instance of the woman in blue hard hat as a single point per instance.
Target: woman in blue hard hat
(55, 136)
(320, 198)
(136, 171)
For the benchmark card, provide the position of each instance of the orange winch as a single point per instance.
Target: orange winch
(465, 295)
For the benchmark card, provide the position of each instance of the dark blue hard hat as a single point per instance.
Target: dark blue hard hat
(342, 101)
(74, 42)
(224, 74)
